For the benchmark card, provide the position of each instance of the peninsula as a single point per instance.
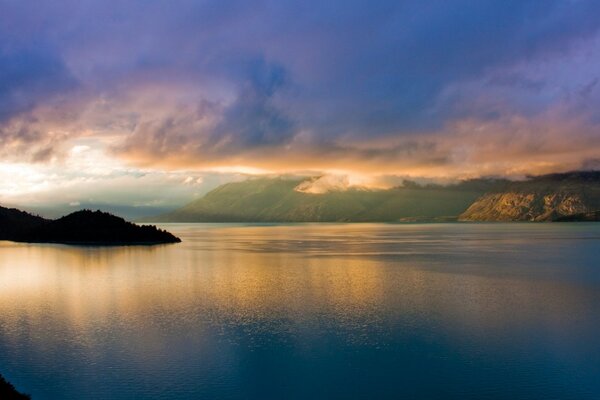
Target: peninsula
(83, 227)
(8, 391)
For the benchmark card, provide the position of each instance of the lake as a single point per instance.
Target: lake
(307, 311)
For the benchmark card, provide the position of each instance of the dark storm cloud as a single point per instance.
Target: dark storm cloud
(224, 80)
(29, 75)
(253, 118)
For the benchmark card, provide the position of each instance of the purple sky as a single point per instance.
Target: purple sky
(150, 103)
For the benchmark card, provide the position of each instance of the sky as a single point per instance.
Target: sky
(148, 104)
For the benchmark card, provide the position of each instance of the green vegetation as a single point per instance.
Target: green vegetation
(276, 200)
(540, 198)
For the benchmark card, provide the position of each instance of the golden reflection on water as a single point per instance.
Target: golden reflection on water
(260, 274)
(482, 309)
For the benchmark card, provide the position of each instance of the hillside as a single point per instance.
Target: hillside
(15, 223)
(277, 200)
(81, 227)
(97, 227)
(542, 198)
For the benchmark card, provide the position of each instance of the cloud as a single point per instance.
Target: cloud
(324, 184)
(214, 130)
(253, 119)
(30, 76)
(389, 88)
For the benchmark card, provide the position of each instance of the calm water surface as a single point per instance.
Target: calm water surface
(453, 311)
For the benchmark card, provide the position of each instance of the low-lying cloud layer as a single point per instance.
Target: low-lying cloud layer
(433, 89)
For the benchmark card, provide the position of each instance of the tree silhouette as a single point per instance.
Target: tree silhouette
(8, 391)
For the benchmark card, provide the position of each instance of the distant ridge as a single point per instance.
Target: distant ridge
(279, 200)
(538, 198)
(81, 227)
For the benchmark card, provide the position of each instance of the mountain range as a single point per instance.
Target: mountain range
(284, 199)
(279, 200)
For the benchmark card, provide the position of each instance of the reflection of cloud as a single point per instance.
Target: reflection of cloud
(366, 283)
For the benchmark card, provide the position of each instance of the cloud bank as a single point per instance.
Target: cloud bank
(437, 88)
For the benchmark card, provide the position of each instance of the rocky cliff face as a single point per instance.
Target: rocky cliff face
(513, 206)
(546, 198)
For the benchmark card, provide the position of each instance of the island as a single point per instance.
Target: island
(85, 227)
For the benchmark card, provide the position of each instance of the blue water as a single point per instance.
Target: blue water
(309, 311)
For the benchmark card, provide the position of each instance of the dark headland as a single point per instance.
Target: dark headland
(8, 391)
(83, 227)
